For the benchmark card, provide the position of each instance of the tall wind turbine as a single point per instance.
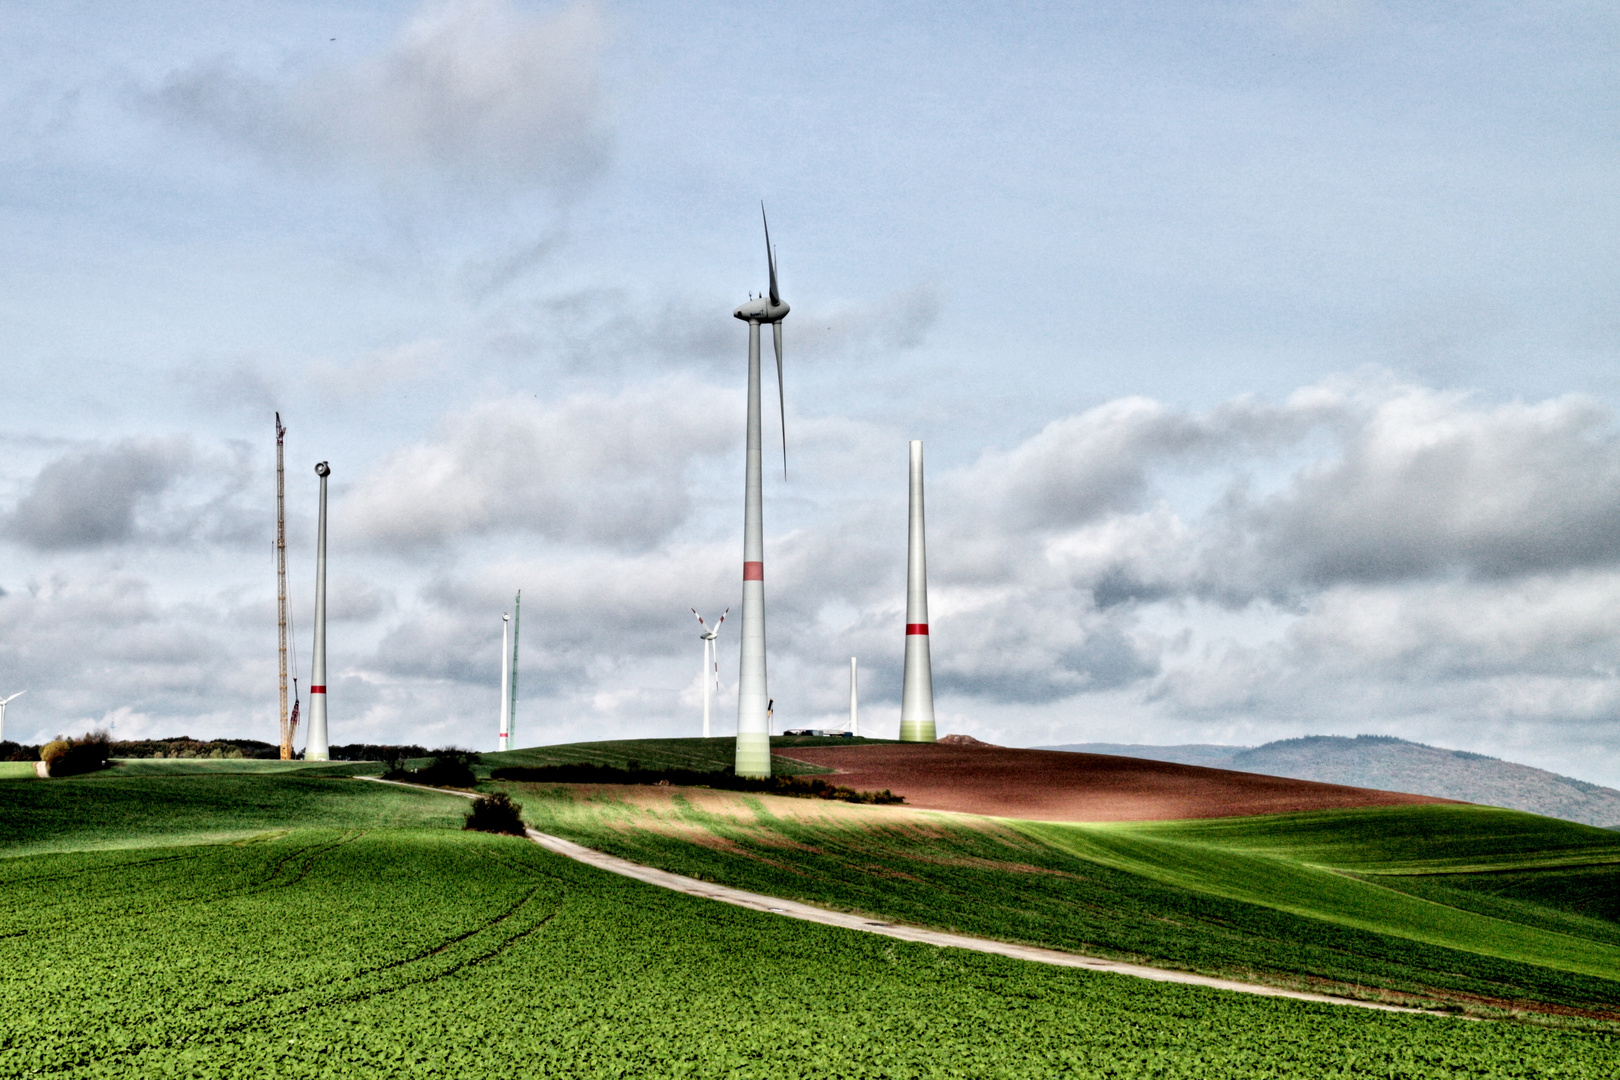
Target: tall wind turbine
(6, 701)
(753, 732)
(917, 693)
(315, 748)
(711, 661)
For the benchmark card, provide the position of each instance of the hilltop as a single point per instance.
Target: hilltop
(1391, 764)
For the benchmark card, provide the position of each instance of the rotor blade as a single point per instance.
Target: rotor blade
(770, 258)
(699, 617)
(781, 393)
(723, 615)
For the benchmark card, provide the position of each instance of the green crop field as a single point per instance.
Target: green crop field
(427, 951)
(1254, 898)
(699, 755)
(17, 770)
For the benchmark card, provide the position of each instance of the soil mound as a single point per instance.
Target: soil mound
(964, 740)
(1051, 785)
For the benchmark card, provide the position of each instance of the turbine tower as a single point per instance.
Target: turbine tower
(506, 682)
(3, 703)
(854, 702)
(917, 696)
(511, 691)
(315, 748)
(753, 732)
(711, 661)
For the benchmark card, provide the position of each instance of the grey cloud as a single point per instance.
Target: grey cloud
(478, 92)
(1427, 486)
(89, 498)
(591, 469)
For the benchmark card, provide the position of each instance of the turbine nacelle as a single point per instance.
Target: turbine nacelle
(761, 310)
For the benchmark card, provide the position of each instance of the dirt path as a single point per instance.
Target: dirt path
(794, 910)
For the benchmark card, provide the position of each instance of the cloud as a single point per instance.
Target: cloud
(591, 469)
(1430, 484)
(89, 498)
(476, 92)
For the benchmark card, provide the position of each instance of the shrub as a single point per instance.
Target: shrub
(70, 757)
(496, 814)
(450, 767)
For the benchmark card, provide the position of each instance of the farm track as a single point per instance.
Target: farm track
(795, 910)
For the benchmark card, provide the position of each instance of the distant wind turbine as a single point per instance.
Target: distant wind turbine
(6, 701)
(711, 661)
(753, 699)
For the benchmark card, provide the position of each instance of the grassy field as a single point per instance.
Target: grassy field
(16, 770)
(1247, 898)
(327, 952)
(699, 755)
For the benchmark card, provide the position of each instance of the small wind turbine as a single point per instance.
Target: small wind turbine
(753, 699)
(711, 661)
(6, 701)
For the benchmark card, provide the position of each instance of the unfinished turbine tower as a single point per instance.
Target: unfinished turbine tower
(854, 702)
(917, 694)
(506, 682)
(753, 700)
(711, 661)
(511, 689)
(315, 748)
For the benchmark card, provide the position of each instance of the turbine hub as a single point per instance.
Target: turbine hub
(762, 310)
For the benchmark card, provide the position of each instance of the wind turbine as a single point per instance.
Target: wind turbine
(711, 661)
(917, 692)
(6, 701)
(753, 731)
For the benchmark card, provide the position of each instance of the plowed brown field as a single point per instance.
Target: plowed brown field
(1055, 785)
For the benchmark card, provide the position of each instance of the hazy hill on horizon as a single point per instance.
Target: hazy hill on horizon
(1392, 764)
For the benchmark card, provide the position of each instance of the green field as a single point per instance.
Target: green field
(699, 755)
(17, 770)
(294, 923)
(1253, 898)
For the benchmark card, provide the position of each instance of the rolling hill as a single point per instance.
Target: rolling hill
(1391, 764)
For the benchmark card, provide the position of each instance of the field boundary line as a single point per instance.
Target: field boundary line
(794, 909)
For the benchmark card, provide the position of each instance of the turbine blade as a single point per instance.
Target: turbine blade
(770, 256)
(699, 617)
(781, 392)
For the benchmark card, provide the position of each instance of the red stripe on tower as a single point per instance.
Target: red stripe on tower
(753, 571)
(917, 628)
(317, 689)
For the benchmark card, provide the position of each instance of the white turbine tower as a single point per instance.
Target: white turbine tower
(711, 661)
(506, 681)
(917, 693)
(753, 731)
(3, 703)
(854, 702)
(315, 748)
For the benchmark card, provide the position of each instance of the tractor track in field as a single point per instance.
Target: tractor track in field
(793, 909)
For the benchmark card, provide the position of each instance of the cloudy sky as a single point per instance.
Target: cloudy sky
(1265, 353)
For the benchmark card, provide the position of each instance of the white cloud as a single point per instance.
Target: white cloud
(592, 469)
(477, 92)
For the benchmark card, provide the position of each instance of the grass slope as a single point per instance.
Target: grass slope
(699, 755)
(115, 809)
(1164, 892)
(435, 953)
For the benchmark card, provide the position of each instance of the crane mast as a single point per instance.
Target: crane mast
(287, 724)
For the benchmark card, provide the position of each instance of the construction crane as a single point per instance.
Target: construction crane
(289, 724)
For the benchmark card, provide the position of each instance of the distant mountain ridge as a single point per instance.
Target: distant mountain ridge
(1392, 764)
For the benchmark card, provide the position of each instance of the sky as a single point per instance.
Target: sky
(1264, 354)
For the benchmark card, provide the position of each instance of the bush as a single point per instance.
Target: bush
(70, 757)
(451, 767)
(725, 780)
(496, 814)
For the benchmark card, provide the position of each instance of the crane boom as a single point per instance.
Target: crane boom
(288, 724)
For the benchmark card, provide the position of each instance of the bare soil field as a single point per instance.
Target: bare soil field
(1054, 785)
